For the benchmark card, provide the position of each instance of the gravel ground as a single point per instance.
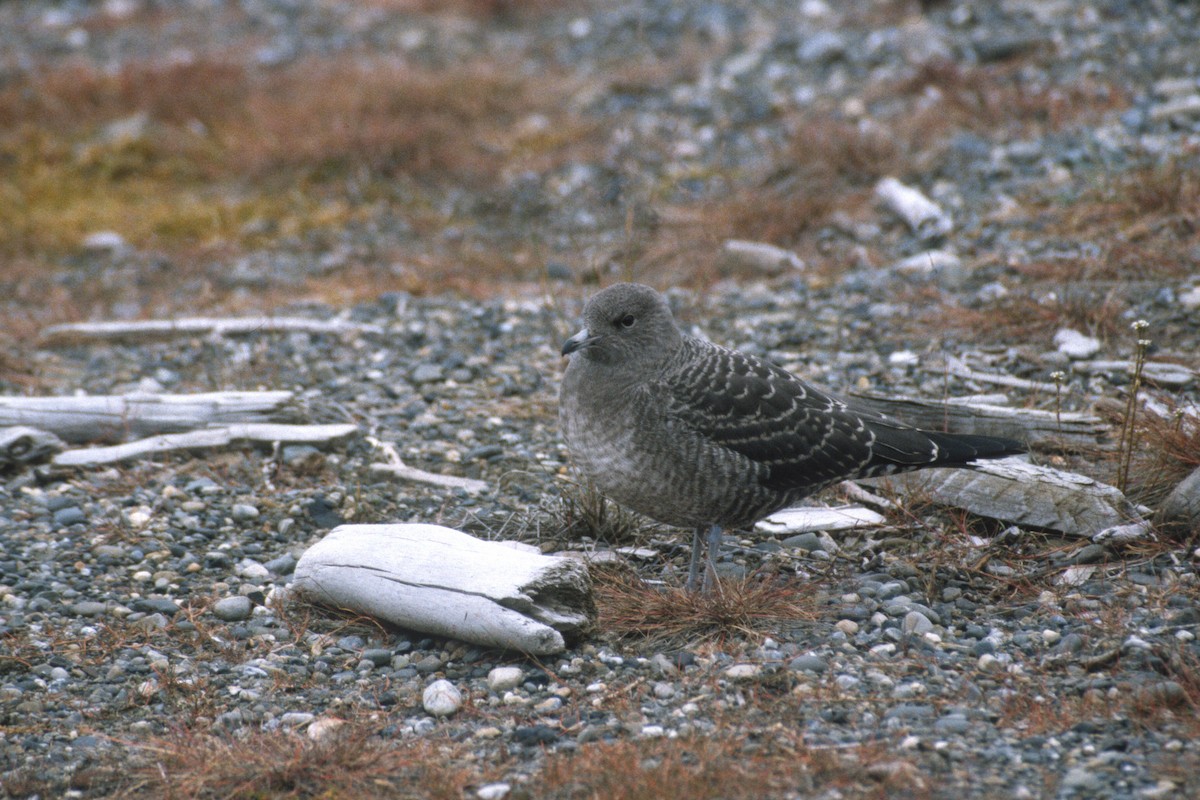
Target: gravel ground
(945, 655)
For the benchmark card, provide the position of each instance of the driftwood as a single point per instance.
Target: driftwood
(1069, 430)
(1024, 494)
(923, 216)
(960, 369)
(21, 445)
(116, 418)
(396, 468)
(159, 329)
(438, 580)
(802, 520)
(204, 439)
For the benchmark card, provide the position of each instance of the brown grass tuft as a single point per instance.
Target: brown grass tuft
(1166, 450)
(347, 762)
(725, 766)
(630, 607)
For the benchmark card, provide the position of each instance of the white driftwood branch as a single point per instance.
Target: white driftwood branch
(21, 445)
(923, 216)
(438, 580)
(1033, 426)
(811, 518)
(1016, 491)
(405, 472)
(959, 369)
(158, 329)
(205, 439)
(396, 467)
(120, 417)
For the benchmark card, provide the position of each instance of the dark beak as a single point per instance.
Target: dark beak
(577, 342)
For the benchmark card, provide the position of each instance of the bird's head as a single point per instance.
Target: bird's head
(625, 324)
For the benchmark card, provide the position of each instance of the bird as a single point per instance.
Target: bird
(700, 436)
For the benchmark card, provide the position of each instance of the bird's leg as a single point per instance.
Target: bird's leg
(710, 563)
(694, 563)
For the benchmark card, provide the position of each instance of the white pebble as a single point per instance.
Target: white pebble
(441, 698)
(1076, 345)
(988, 663)
(324, 728)
(503, 678)
(493, 791)
(743, 671)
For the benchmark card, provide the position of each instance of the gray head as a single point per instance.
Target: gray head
(625, 324)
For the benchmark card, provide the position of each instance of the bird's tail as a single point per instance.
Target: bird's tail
(961, 448)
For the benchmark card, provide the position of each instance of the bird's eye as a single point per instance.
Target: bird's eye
(627, 321)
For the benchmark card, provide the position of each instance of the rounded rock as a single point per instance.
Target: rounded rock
(243, 512)
(233, 609)
(502, 679)
(441, 698)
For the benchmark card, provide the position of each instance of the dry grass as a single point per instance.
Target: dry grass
(194, 153)
(999, 101)
(581, 511)
(768, 764)
(350, 761)
(1166, 449)
(628, 607)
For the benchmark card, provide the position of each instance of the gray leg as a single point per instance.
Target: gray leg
(710, 566)
(694, 563)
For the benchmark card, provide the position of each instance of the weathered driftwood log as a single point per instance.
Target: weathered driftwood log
(158, 329)
(1068, 430)
(205, 439)
(21, 445)
(116, 418)
(438, 580)
(1024, 494)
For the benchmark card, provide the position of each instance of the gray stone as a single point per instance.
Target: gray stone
(88, 608)
(1179, 515)
(71, 515)
(916, 624)
(808, 663)
(243, 512)
(233, 609)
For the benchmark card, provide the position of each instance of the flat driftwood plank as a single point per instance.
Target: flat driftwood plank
(1025, 494)
(116, 418)
(1069, 430)
(438, 580)
(205, 439)
(159, 329)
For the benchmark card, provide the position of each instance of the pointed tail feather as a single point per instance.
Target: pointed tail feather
(958, 448)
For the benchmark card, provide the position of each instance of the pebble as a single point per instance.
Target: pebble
(916, 624)
(1075, 345)
(743, 671)
(88, 608)
(808, 663)
(441, 698)
(233, 609)
(243, 512)
(493, 791)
